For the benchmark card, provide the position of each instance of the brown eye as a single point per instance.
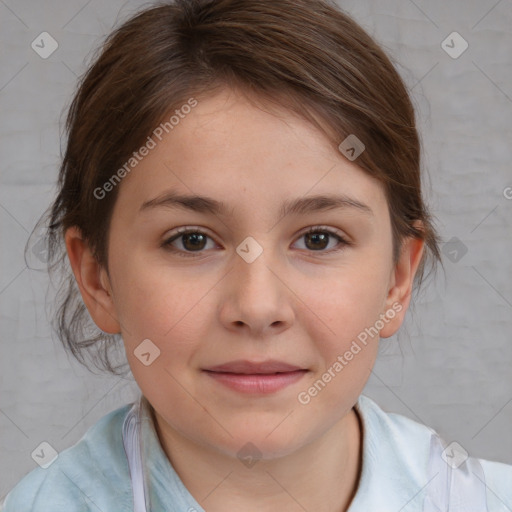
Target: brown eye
(193, 241)
(186, 242)
(318, 239)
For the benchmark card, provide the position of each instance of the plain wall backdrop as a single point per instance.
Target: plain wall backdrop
(450, 367)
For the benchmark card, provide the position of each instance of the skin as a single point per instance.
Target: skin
(293, 303)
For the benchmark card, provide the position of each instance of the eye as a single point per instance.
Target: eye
(317, 238)
(188, 241)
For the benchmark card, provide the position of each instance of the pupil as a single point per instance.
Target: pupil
(316, 237)
(196, 239)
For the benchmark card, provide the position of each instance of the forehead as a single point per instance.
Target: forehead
(246, 156)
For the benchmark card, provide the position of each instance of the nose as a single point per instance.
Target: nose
(257, 298)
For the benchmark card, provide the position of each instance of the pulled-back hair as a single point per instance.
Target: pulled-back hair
(304, 55)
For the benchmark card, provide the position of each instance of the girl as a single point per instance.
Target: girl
(240, 200)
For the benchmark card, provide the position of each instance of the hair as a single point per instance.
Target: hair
(306, 56)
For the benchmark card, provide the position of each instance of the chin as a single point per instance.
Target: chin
(264, 442)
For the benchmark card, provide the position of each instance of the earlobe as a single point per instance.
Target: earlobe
(401, 283)
(93, 282)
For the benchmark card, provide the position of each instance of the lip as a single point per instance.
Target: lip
(251, 367)
(256, 378)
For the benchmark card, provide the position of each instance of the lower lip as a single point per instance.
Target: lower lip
(257, 383)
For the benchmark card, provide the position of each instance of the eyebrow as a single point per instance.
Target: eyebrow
(300, 206)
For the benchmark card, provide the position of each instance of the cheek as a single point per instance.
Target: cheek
(170, 309)
(153, 299)
(343, 314)
(345, 302)
(346, 343)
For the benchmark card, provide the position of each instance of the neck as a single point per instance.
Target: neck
(321, 476)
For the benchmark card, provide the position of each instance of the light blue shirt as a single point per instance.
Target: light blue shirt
(401, 471)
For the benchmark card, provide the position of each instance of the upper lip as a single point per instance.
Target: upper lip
(250, 367)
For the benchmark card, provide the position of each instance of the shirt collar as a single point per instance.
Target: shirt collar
(395, 454)
(394, 463)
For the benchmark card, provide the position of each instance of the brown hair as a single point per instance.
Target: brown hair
(305, 55)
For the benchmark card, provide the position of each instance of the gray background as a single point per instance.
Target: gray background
(449, 368)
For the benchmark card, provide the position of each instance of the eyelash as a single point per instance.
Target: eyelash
(166, 244)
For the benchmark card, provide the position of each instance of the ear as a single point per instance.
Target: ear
(93, 281)
(401, 282)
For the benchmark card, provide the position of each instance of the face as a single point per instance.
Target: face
(249, 284)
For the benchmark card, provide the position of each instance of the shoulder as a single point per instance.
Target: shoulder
(498, 482)
(92, 473)
(421, 456)
(400, 442)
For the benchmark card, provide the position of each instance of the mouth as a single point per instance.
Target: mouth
(256, 378)
(251, 368)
